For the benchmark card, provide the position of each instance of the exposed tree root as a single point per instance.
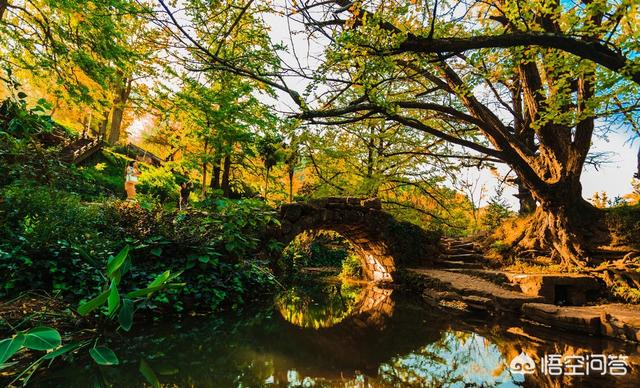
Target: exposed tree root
(587, 246)
(556, 234)
(622, 276)
(577, 240)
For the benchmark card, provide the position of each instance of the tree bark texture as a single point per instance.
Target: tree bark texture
(3, 7)
(226, 176)
(119, 105)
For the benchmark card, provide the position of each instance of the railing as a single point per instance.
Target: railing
(86, 147)
(79, 152)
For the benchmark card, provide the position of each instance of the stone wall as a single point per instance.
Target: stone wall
(382, 242)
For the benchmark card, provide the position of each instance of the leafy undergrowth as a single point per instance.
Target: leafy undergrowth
(324, 250)
(53, 241)
(624, 224)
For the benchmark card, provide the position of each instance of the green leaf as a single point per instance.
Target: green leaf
(175, 275)
(148, 290)
(149, 374)
(42, 338)
(7, 365)
(143, 292)
(204, 259)
(62, 350)
(156, 251)
(116, 262)
(160, 279)
(125, 267)
(94, 303)
(10, 346)
(113, 301)
(22, 95)
(102, 355)
(125, 318)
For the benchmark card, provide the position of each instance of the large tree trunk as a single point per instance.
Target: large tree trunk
(226, 172)
(116, 123)
(561, 230)
(204, 169)
(3, 7)
(522, 128)
(291, 173)
(565, 225)
(551, 170)
(215, 177)
(124, 90)
(104, 124)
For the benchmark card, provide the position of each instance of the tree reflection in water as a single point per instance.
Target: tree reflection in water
(320, 306)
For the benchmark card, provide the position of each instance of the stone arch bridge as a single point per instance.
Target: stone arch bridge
(382, 242)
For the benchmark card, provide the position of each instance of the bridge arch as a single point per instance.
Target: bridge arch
(381, 242)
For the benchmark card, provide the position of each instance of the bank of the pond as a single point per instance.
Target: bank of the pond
(556, 301)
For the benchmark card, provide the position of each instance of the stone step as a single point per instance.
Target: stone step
(466, 285)
(470, 246)
(458, 251)
(463, 257)
(477, 302)
(448, 287)
(610, 320)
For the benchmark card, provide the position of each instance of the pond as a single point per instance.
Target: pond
(327, 333)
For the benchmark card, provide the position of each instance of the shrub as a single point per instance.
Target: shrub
(44, 216)
(51, 240)
(159, 183)
(233, 227)
(624, 224)
(133, 220)
(44, 231)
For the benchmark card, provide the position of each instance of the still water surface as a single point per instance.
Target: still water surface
(334, 334)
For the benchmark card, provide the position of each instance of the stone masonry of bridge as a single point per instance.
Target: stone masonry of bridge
(382, 242)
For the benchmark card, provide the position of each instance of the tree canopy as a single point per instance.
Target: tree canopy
(390, 98)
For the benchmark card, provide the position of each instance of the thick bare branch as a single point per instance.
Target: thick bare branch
(586, 49)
